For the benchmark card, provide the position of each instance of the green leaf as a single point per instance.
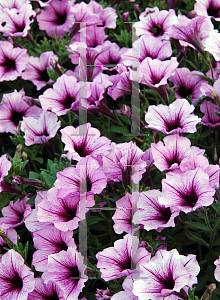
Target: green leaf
(47, 178)
(125, 119)
(52, 74)
(197, 238)
(33, 175)
(205, 134)
(39, 159)
(197, 225)
(119, 129)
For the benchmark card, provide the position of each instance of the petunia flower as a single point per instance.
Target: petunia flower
(48, 241)
(115, 262)
(12, 4)
(107, 15)
(154, 73)
(217, 269)
(208, 8)
(146, 46)
(16, 279)
(209, 119)
(12, 110)
(152, 214)
(66, 212)
(83, 141)
(66, 268)
(43, 291)
(41, 130)
(169, 155)
(103, 294)
(15, 213)
(188, 84)
(155, 23)
(175, 118)
(63, 97)
(88, 177)
(12, 61)
(36, 69)
(168, 275)
(126, 207)
(124, 163)
(192, 32)
(187, 191)
(16, 22)
(31, 221)
(212, 43)
(196, 160)
(56, 18)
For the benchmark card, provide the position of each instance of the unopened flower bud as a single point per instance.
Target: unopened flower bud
(192, 14)
(137, 10)
(125, 16)
(27, 181)
(18, 151)
(37, 11)
(55, 66)
(6, 239)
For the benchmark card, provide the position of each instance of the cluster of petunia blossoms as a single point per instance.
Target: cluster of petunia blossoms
(102, 70)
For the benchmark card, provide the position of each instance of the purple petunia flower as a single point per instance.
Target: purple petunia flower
(126, 206)
(66, 269)
(36, 69)
(208, 8)
(107, 15)
(12, 61)
(56, 18)
(16, 22)
(124, 163)
(192, 32)
(63, 97)
(83, 141)
(50, 241)
(192, 162)
(43, 291)
(16, 279)
(31, 221)
(154, 73)
(65, 212)
(169, 155)
(187, 191)
(188, 84)
(146, 46)
(13, 109)
(115, 262)
(168, 275)
(152, 214)
(209, 119)
(71, 181)
(175, 118)
(103, 294)
(12, 4)
(41, 130)
(15, 213)
(155, 23)
(217, 269)
(212, 44)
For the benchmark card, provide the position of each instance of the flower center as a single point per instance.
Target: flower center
(213, 10)
(9, 64)
(60, 19)
(184, 92)
(16, 117)
(157, 30)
